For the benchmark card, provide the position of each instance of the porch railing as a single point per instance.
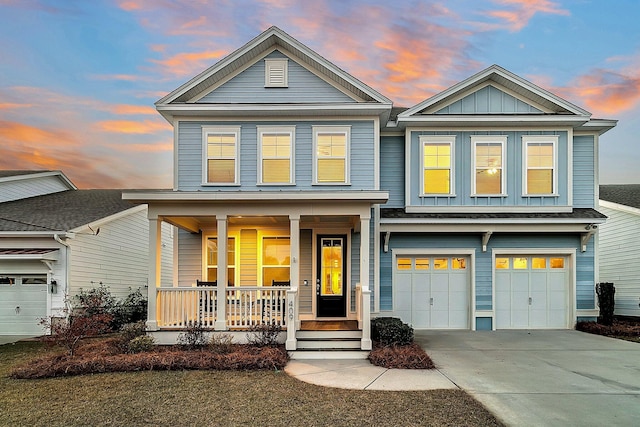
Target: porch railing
(246, 306)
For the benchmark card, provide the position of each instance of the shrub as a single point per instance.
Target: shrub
(401, 357)
(141, 343)
(99, 300)
(194, 337)
(391, 331)
(264, 335)
(606, 302)
(129, 332)
(69, 332)
(221, 343)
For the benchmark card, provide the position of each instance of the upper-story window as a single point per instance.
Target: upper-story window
(489, 165)
(276, 155)
(437, 165)
(331, 154)
(540, 165)
(276, 72)
(220, 155)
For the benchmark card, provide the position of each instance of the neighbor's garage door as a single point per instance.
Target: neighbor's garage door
(531, 292)
(432, 291)
(23, 302)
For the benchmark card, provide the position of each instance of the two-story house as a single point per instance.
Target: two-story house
(304, 198)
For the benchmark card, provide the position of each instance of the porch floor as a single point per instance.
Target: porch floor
(329, 325)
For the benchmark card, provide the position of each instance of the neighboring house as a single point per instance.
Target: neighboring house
(471, 210)
(619, 245)
(52, 245)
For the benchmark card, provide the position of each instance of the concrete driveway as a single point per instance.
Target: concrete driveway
(543, 378)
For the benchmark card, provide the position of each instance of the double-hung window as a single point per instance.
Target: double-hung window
(437, 165)
(276, 259)
(220, 155)
(276, 155)
(212, 260)
(331, 154)
(540, 165)
(489, 165)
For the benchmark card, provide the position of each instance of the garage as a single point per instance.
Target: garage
(23, 302)
(531, 291)
(432, 292)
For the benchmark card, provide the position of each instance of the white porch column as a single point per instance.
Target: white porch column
(364, 282)
(294, 274)
(221, 320)
(155, 271)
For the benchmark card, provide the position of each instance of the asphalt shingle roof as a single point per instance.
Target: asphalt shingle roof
(577, 213)
(62, 211)
(623, 194)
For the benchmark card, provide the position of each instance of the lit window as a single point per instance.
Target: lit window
(276, 260)
(437, 161)
(489, 165)
(221, 155)
(540, 169)
(538, 263)
(520, 263)
(440, 263)
(331, 149)
(458, 263)
(276, 147)
(502, 263)
(212, 260)
(403, 263)
(557, 262)
(422, 263)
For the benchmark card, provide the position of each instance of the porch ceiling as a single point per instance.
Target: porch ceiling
(196, 224)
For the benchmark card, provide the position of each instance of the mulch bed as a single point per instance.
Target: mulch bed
(102, 356)
(625, 329)
(410, 356)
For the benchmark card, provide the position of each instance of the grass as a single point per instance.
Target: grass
(176, 398)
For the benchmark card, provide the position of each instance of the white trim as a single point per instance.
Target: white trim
(376, 258)
(553, 139)
(596, 169)
(320, 129)
(176, 161)
(499, 139)
(569, 167)
(438, 139)
(471, 269)
(570, 253)
(483, 227)
(276, 64)
(376, 152)
(270, 130)
(213, 234)
(228, 130)
(407, 167)
(486, 209)
(40, 174)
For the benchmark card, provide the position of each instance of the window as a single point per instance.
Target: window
(422, 263)
(276, 72)
(276, 155)
(502, 263)
(538, 263)
(557, 262)
(441, 263)
(520, 263)
(212, 260)
(489, 165)
(403, 263)
(437, 160)
(331, 151)
(458, 263)
(276, 259)
(540, 165)
(221, 155)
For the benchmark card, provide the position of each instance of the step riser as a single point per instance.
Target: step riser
(329, 345)
(324, 355)
(321, 335)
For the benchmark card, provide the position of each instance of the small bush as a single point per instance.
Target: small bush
(391, 331)
(401, 357)
(264, 335)
(141, 344)
(194, 337)
(69, 332)
(99, 300)
(129, 332)
(221, 344)
(606, 301)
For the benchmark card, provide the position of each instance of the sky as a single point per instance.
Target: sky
(79, 78)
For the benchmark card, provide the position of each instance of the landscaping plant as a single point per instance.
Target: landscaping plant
(606, 301)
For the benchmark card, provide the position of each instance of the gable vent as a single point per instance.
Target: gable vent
(276, 73)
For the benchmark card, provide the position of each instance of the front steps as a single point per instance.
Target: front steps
(328, 344)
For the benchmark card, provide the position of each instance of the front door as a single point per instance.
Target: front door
(331, 286)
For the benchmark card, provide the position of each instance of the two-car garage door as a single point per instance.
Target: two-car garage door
(432, 292)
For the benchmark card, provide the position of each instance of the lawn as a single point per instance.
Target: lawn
(176, 398)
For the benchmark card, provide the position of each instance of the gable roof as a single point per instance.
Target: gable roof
(15, 175)
(622, 194)
(253, 51)
(61, 212)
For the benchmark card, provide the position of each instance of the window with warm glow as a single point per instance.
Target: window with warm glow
(276, 260)
(221, 155)
(540, 167)
(557, 262)
(331, 155)
(538, 263)
(489, 166)
(440, 263)
(403, 263)
(422, 263)
(520, 263)
(276, 147)
(502, 263)
(212, 260)
(458, 263)
(436, 164)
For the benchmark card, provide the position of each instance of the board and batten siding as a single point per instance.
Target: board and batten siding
(619, 245)
(463, 172)
(117, 257)
(31, 187)
(361, 163)
(489, 100)
(392, 169)
(584, 171)
(189, 258)
(248, 87)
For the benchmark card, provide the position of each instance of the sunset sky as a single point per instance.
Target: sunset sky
(78, 79)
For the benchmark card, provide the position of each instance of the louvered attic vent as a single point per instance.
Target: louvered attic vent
(276, 73)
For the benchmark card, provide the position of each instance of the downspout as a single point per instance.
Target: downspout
(67, 270)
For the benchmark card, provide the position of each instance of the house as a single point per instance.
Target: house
(303, 197)
(56, 240)
(618, 244)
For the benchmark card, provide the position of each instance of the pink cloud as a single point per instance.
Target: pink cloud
(133, 127)
(188, 64)
(520, 12)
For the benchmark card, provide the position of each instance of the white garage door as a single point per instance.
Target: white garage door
(531, 292)
(432, 291)
(23, 302)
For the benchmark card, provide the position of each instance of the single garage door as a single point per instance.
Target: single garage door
(23, 303)
(432, 291)
(531, 292)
